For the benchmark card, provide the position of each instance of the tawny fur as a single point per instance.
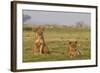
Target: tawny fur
(40, 46)
(72, 48)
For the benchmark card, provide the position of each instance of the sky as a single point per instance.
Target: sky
(51, 17)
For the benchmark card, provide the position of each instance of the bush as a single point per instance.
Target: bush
(27, 29)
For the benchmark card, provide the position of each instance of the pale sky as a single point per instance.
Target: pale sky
(50, 17)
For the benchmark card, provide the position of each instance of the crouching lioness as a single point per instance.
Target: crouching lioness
(73, 50)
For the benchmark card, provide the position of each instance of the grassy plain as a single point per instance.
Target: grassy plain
(57, 42)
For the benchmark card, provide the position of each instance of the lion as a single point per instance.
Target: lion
(40, 46)
(72, 48)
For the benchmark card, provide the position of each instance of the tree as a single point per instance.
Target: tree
(26, 17)
(80, 24)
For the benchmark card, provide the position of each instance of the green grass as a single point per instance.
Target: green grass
(57, 40)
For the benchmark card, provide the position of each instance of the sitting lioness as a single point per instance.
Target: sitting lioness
(40, 46)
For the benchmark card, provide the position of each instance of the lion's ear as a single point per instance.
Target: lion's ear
(36, 29)
(69, 42)
(76, 42)
(42, 28)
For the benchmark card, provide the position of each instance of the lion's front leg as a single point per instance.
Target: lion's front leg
(41, 48)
